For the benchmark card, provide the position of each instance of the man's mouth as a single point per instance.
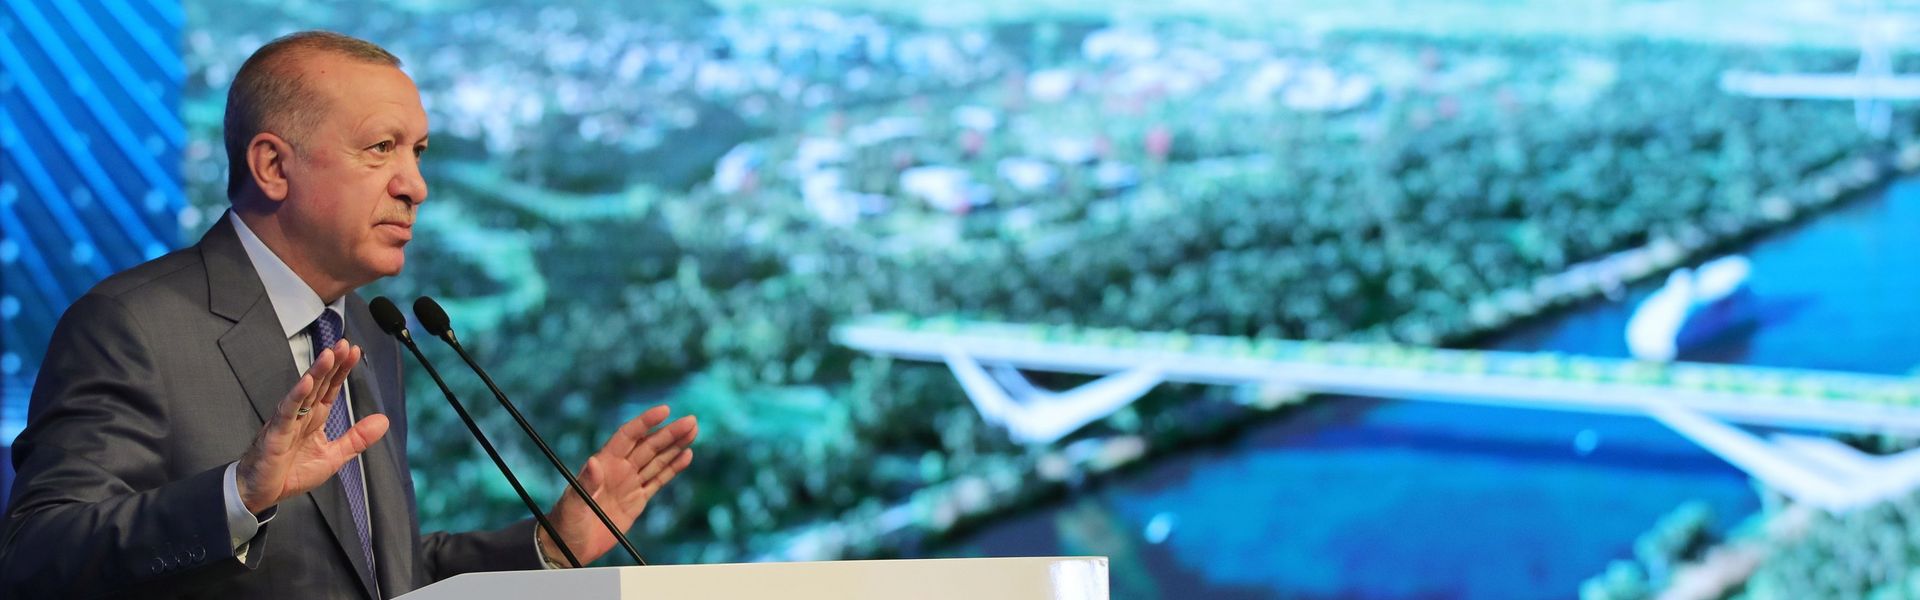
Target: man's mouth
(402, 229)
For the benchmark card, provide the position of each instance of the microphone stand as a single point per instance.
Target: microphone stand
(406, 339)
(447, 335)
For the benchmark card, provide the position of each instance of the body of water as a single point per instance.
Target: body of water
(1364, 498)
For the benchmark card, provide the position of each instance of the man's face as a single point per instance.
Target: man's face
(354, 184)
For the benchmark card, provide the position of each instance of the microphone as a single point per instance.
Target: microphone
(392, 322)
(434, 319)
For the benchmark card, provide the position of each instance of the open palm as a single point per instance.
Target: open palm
(292, 454)
(627, 471)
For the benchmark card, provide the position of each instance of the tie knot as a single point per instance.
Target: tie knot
(326, 331)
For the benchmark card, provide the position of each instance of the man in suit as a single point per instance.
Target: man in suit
(192, 430)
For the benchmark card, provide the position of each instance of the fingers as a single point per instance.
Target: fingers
(340, 358)
(344, 357)
(660, 479)
(641, 457)
(679, 455)
(318, 376)
(662, 448)
(592, 476)
(685, 428)
(266, 465)
(634, 431)
(672, 441)
(357, 439)
(293, 415)
(641, 487)
(307, 391)
(686, 460)
(320, 371)
(296, 399)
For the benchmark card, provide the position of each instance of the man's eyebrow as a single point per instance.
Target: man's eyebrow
(398, 133)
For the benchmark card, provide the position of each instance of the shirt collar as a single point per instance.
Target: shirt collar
(294, 302)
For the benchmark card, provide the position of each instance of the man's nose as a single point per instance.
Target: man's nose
(408, 184)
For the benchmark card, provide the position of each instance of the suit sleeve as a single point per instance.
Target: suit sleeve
(506, 549)
(93, 513)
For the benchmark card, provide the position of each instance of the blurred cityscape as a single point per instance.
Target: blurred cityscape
(689, 203)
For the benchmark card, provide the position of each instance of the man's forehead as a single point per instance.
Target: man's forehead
(311, 63)
(342, 74)
(360, 90)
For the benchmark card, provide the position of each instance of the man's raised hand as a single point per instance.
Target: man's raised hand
(292, 454)
(640, 458)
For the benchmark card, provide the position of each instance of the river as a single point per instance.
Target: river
(1365, 498)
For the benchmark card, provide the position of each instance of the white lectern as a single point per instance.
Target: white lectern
(1058, 578)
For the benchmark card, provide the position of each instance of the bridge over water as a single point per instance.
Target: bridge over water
(1700, 401)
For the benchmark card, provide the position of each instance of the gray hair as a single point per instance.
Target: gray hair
(268, 95)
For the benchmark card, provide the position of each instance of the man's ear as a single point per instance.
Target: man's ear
(267, 158)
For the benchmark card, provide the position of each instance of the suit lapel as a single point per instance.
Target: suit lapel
(340, 517)
(331, 499)
(385, 473)
(256, 349)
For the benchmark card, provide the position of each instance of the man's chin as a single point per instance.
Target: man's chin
(389, 263)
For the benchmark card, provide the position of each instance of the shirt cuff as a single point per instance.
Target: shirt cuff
(242, 524)
(540, 552)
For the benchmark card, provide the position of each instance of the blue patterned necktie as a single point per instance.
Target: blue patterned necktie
(326, 332)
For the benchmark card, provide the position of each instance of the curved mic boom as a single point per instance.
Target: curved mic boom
(434, 319)
(391, 321)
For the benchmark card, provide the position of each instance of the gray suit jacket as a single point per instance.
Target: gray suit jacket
(155, 380)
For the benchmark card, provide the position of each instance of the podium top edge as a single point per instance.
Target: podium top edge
(1037, 559)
